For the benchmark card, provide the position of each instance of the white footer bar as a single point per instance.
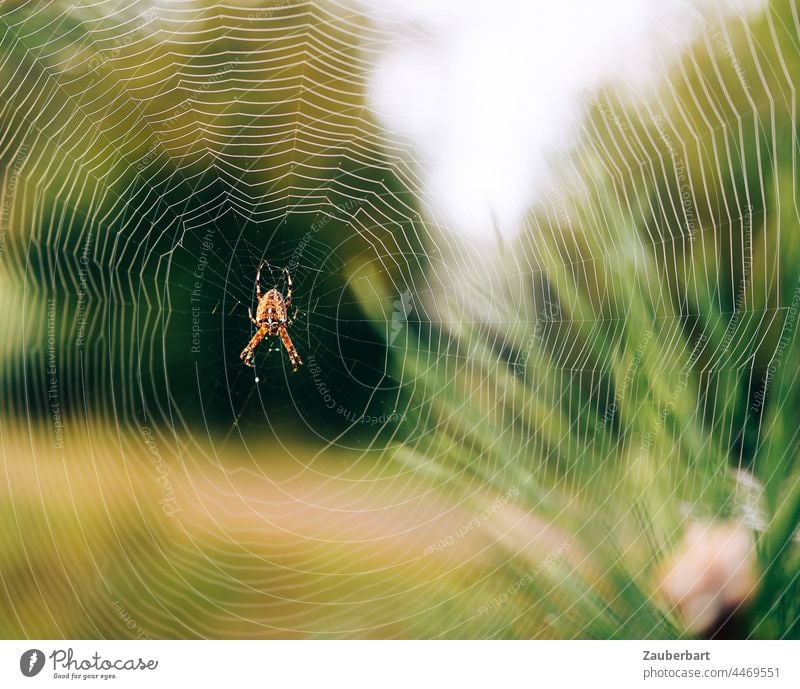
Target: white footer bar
(401, 664)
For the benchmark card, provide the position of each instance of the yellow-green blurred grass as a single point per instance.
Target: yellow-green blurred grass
(283, 543)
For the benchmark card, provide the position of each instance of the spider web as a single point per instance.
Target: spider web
(156, 154)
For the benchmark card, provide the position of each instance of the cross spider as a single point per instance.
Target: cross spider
(271, 319)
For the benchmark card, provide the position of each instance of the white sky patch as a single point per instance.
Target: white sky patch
(488, 92)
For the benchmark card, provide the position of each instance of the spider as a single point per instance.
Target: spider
(271, 319)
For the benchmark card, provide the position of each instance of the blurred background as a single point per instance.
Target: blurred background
(544, 264)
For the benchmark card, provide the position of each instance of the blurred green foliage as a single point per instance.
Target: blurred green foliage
(661, 357)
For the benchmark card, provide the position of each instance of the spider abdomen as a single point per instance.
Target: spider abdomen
(271, 309)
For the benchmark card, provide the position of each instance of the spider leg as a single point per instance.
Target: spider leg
(248, 352)
(288, 301)
(258, 280)
(253, 320)
(294, 357)
(292, 319)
